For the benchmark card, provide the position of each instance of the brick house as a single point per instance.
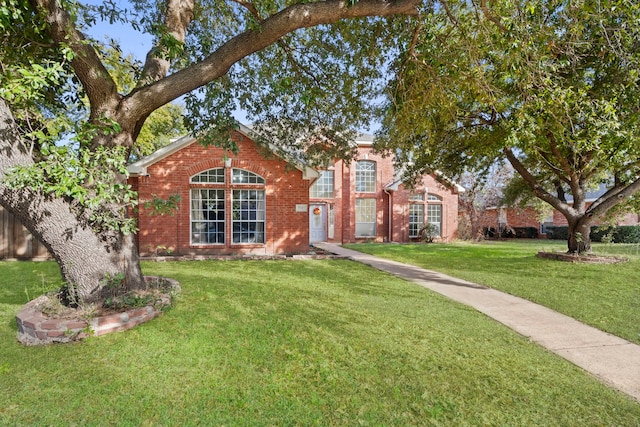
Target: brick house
(500, 218)
(257, 203)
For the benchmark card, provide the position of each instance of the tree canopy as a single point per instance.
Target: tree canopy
(550, 86)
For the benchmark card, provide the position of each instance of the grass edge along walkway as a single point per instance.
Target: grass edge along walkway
(611, 359)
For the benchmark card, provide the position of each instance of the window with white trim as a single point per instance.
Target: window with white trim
(207, 216)
(416, 218)
(248, 216)
(210, 195)
(322, 188)
(434, 217)
(365, 176)
(365, 217)
(208, 208)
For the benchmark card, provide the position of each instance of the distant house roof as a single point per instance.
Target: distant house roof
(139, 167)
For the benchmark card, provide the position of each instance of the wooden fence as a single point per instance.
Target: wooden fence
(16, 242)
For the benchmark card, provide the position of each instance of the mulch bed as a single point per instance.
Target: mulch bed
(583, 258)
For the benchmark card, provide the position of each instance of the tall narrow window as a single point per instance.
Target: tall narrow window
(365, 217)
(365, 176)
(434, 217)
(208, 207)
(207, 216)
(416, 219)
(322, 188)
(248, 216)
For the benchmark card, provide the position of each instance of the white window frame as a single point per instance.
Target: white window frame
(248, 215)
(434, 216)
(208, 216)
(365, 176)
(365, 217)
(323, 187)
(416, 218)
(214, 202)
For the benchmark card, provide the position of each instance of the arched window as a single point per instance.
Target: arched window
(208, 207)
(210, 195)
(241, 176)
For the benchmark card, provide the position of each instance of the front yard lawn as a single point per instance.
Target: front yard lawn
(606, 296)
(284, 343)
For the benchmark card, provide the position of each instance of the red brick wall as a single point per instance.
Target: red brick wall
(287, 231)
(515, 217)
(396, 227)
(428, 185)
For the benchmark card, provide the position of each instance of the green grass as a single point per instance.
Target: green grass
(606, 296)
(284, 343)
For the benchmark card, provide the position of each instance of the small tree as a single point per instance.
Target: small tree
(549, 86)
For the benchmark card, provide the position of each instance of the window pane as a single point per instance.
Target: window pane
(416, 196)
(365, 217)
(416, 219)
(365, 177)
(434, 217)
(207, 216)
(248, 216)
(434, 198)
(211, 176)
(241, 176)
(323, 187)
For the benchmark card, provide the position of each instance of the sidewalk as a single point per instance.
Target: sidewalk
(612, 360)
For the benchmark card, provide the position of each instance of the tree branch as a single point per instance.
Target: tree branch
(94, 77)
(487, 13)
(535, 186)
(179, 15)
(613, 197)
(294, 17)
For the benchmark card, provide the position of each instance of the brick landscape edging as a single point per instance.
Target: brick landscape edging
(35, 328)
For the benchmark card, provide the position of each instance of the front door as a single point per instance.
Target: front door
(317, 223)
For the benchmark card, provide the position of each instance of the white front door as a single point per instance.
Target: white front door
(317, 223)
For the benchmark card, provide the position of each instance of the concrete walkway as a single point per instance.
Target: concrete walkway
(612, 360)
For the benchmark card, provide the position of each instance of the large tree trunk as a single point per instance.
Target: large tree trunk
(85, 259)
(579, 236)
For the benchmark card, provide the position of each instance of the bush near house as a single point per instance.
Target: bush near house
(617, 234)
(512, 232)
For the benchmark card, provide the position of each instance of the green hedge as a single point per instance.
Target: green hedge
(619, 234)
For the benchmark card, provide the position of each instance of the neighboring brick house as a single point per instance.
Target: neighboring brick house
(252, 203)
(500, 218)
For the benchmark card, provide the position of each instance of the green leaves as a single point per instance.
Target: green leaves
(86, 179)
(556, 79)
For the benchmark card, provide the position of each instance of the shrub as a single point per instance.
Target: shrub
(520, 232)
(606, 234)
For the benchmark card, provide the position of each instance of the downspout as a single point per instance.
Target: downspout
(388, 193)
